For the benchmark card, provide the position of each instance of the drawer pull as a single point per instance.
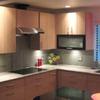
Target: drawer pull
(38, 78)
(73, 82)
(53, 73)
(10, 86)
(10, 94)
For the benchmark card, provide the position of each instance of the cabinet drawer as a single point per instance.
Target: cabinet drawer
(93, 83)
(72, 79)
(12, 90)
(15, 84)
(40, 84)
(12, 94)
(37, 78)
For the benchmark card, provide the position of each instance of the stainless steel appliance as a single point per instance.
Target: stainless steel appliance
(76, 42)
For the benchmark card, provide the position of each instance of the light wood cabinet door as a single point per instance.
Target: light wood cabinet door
(7, 30)
(47, 23)
(70, 23)
(27, 18)
(81, 23)
(61, 23)
(72, 80)
(12, 90)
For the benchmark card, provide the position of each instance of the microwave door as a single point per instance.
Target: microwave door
(70, 42)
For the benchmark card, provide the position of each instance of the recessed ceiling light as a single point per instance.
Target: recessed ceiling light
(67, 6)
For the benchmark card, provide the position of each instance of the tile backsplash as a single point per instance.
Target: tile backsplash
(5, 62)
(25, 56)
(75, 57)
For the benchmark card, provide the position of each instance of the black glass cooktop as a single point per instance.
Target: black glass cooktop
(28, 70)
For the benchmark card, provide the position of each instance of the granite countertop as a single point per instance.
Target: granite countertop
(75, 68)
(6, 76)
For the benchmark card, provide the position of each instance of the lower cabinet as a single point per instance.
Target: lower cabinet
(72, 79)
(93, 83)
(12, 90)
(39, 84)
(35, 85)
(72, 85)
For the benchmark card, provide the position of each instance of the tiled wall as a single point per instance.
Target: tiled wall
(26, 57)
(5, 62)
(75, 57)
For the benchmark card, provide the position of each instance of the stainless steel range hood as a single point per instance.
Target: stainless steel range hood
(28, 31)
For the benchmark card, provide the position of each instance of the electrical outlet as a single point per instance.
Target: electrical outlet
(80, 58)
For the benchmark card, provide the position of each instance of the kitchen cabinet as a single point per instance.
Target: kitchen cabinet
(39, 84)
(77, 23)
(93, 83)
(7, 30)
(72, 80)
(26, 18)
(12, 90)
(70, 23)
(47, 23)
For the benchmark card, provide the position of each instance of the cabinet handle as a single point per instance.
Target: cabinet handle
(40, 44)
(10, 94)
(38, 85)
(73, 82)
(67, 30)
(53, 74)
(38, 78)
(10, 86)
(71, 30)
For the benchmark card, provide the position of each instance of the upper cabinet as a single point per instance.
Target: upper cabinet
(47, 23)
(77, 23)
(70, 23)
(7, 30)
(26, 18)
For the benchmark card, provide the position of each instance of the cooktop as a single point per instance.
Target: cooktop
(28, 70)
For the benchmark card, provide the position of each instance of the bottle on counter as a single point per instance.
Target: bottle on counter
(39, 62)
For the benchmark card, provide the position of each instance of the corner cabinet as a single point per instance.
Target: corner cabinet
(72, 79)
(93, 83)
(47, 23)
(7, 30)
(26, 18)
(40, 84)
(70, 23)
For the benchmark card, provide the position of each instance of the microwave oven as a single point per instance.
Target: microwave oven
(70, 42)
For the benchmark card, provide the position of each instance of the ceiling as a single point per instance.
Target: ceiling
(56, 4)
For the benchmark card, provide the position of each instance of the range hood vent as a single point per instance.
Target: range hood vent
(28, 31)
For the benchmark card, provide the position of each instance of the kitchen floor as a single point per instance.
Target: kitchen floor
(54, 96)
(61, 98)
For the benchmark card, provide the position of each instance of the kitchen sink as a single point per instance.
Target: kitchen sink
(28, 70)
(97, 71)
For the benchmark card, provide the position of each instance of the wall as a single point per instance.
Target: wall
(74, 57)
(5, 62)
(24, 56)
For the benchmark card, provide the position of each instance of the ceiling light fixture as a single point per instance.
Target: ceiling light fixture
(67, 6)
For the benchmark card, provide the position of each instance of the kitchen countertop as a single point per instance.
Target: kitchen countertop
(6, 76)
